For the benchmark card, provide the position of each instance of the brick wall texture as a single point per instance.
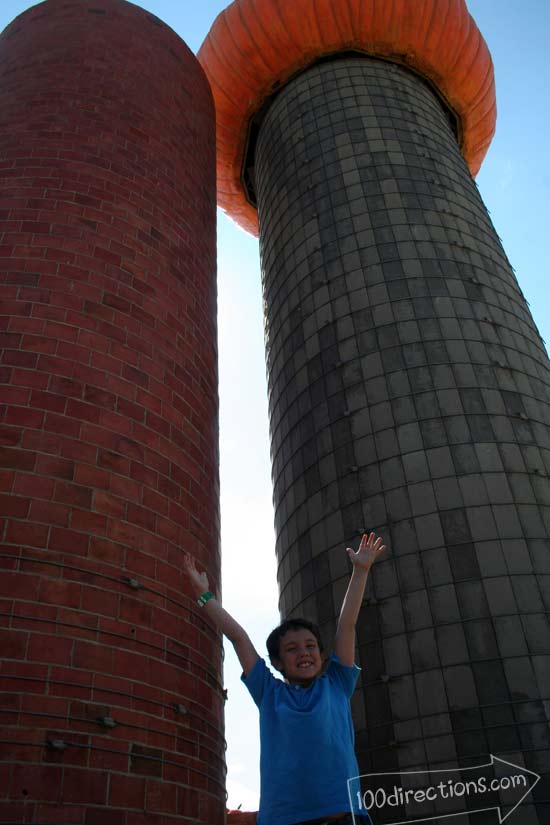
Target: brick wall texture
(409, 394)
(110, 682)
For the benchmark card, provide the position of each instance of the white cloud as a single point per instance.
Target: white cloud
(239, 795)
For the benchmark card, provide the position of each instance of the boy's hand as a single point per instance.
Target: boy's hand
(248, 656)
(198, 580)
(362, 559)
(370, 548)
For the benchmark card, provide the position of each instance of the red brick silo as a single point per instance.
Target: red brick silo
(110, 682)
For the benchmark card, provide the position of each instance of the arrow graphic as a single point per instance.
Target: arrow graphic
(409, 789)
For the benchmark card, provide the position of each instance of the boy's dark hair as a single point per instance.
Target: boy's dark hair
(273, 642)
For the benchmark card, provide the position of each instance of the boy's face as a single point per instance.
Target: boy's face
(300, 659)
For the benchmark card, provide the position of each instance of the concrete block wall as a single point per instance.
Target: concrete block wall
(409, 394)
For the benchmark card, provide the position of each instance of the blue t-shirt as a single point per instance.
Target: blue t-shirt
(306, 739)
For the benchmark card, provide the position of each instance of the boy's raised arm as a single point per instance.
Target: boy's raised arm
(245, 650)
(369, 550)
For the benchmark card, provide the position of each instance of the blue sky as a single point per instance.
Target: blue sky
(515, 184)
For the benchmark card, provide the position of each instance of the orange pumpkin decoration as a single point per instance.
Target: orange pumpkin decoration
(255, 46)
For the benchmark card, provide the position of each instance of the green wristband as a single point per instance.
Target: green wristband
(201, 601)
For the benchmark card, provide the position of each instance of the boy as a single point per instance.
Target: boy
(306, 731)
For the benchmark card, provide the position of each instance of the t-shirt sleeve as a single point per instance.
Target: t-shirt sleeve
(344, 675)
(258, 681)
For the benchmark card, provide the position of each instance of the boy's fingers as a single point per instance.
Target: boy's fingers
(368, 541)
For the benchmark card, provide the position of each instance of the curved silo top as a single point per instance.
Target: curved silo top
(255, 46)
